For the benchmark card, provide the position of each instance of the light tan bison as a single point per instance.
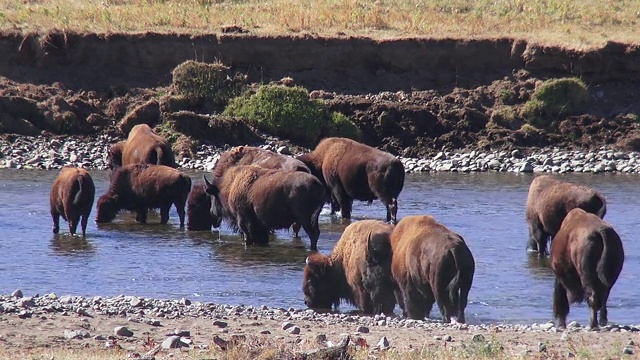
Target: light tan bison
(143, 146)
(431, 264)
(587, 258)
(72, 197)
(549, 201)
(358, 271)
(140, 187)
(255, 200)
(352, 170)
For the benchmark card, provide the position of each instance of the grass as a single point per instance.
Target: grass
(574, 23)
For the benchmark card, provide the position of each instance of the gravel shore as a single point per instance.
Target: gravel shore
(53, 153)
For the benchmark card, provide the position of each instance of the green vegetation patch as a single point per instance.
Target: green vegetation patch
(289, 112)
(211, 81)
(553, 98)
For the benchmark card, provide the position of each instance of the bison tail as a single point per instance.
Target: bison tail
(603, 210)
(76, 199)
(611, 259)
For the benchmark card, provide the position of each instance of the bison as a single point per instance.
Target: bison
(358, 270)
(143, 146)
(255, 200)
(72, 197)
(587, 258)
(199, 209)
(139, 187)
(430, 264)
(352, 170)
(240, 155)
(549, 201)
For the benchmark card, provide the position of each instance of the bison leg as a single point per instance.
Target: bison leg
(56, 221)
(164, 214)
(180, 205)
(73, 225)
(296, 229)
(417, 305)
(392, 211)
(313, 230)
(560, 304)
(538, 238)
(141, 215)
(83, 224)
(604, 320)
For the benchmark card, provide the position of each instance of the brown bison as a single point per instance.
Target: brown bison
(71, 197)
(256, 200)
(430, 264)
(199, 209)
(352, 170)
(586, 257)
(358, 271)
(240, 155)
(143, 146)
(139, 187)
(549, 201)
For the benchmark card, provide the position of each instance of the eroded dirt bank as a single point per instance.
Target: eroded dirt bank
(409, 96)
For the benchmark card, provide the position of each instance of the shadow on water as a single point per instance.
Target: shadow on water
(67, 244)
(540, 268)
(280, 251)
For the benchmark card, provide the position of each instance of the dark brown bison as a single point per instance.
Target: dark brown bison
(140, 187)
(549, 201)
(430, 264)
(255, 200)
(586, 257)
(240, 155)
(143, 146)
(71, 197)
(352, 170)
(358, 270)
(199, 209)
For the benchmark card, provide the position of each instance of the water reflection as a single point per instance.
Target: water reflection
(66, 244)
(540, 268)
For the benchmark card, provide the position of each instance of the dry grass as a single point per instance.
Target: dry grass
(575, 23)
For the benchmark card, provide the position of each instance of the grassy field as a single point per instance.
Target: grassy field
(574, 23)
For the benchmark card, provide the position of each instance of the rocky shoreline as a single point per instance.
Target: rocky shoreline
(24, 152)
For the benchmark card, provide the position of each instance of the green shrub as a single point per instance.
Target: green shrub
(283, 111)
(505, 117)
(553, 98)
(528, 129)
(340, 125)
(214, 82)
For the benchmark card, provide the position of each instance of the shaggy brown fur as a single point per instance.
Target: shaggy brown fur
(249, 155)
(143, 146)
(256, 200)
(140, 187)
(430, 264)
(358, 270)
(587, 258)
(352, 170)
(72, 197)
(549, 201)
(199, 209)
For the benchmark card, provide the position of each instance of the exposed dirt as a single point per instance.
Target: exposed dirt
(411, 97)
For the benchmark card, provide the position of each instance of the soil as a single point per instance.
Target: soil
(410, 96)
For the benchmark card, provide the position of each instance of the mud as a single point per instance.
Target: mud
(411, 97)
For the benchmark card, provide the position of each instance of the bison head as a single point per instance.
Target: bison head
(107, 208)
(318, 285)
(216, 204)
(377, 279)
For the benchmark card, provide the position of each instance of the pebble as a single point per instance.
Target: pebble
(17, 293)
(628, 350)
(363, 329)
(383, 344)
(220, 324)
(172, 342)
(294, 330)
(122, 331)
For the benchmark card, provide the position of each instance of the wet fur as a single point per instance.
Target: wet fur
(143, 146)
(143, 186)
(431, 264)
(72, 195)
(548, 202)
(255, 200)
(587, 257)
(354, 272)
(352, 170)
(199, 209)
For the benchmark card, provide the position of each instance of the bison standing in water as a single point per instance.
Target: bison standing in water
(587, 258)
(256, 200)
(549, 201)
(143, 146)
(352, 170)
(430, 264)
(199, 218)
(358, 271)
(142, 186)
(72, 197)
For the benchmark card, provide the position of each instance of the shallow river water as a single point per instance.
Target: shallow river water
(165, 262)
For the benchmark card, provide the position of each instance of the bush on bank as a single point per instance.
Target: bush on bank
(553, 98)
(289, 112)
(214, 82)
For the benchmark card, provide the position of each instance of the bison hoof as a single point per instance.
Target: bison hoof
(56, 230)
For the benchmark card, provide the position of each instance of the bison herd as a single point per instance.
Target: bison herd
(415, 262)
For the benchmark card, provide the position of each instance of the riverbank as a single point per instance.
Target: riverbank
(138, 327)
(23, 152)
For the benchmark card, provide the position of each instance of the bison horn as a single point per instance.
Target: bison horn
(206, 181)
(307, 261)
